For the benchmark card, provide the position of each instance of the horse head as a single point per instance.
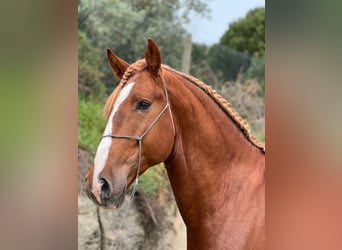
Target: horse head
(139, 132)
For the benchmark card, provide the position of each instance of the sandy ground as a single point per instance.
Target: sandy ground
(127, 227)
(179, 242)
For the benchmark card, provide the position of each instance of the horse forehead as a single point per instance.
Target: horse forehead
(142, 78)
(124, 93)
(145, 84)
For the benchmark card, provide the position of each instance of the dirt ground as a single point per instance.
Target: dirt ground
(130, 227)
(179, 240)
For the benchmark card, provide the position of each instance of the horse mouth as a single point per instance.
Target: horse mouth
(114, 201)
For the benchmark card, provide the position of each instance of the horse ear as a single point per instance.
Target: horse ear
(152, 57)
(117, 64)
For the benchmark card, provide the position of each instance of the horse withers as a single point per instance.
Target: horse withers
(214, 164)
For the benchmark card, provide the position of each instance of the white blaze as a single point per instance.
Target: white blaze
(105, 143)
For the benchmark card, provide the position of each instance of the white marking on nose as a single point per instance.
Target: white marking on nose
(105, 143)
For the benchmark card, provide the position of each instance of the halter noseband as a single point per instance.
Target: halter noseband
(139, 138)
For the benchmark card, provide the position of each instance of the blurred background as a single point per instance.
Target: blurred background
(221, 43)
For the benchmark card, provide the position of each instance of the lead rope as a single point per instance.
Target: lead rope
(139, 138)
(136, 182)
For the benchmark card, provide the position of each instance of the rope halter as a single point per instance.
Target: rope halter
(139, 138)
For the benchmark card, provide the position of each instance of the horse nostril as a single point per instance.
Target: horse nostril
(105, 189)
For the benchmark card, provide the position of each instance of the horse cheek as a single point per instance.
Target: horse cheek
(156, 151)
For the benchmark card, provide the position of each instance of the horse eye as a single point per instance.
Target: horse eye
(143, 105)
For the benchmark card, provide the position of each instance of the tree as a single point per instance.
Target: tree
(247, 34)
(125, 25)
(257, 72)
(227, 63)
(218, 63)
(89, 74)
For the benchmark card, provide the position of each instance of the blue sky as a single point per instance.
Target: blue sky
(223, 12)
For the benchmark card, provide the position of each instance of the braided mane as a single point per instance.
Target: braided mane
(223, 103)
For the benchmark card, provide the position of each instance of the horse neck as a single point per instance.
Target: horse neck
(211, 155)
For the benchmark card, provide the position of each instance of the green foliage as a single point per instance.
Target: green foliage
(89, 75)
(257, 72)
(153, 180)
(227, 63)
(91, 123)
(199, 64)
(247, 34)
(199, 52)
(216, 64)
(125, 25)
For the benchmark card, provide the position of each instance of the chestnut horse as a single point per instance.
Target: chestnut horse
(215, 166)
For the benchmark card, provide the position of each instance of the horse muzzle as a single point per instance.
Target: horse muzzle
(103, 194)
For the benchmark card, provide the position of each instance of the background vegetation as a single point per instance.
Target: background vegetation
(234, 66)
(247, 34)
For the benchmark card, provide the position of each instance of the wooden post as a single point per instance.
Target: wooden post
(187, 54)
